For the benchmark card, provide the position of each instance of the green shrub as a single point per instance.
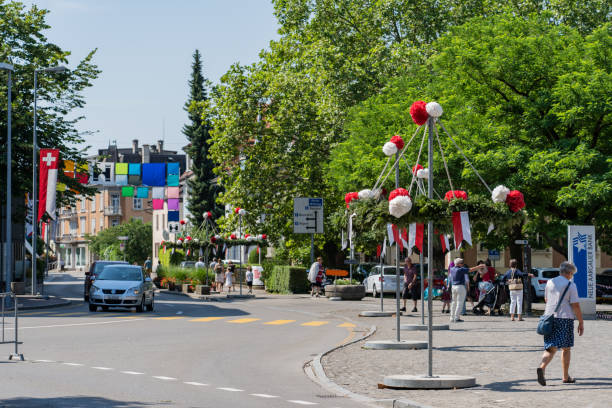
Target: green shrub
(287, 279)
(169, 258)
(253, 257)
(346, 282)
(199, 276)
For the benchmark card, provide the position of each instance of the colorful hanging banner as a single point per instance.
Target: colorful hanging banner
(49, 164)
(121, 168)
(173, 180)
(173, 216)
(158, 193)
(173, 168)
(154, 174)
(127, 191)
(121, 179)
(142, 192)
(158, 204)
(173, 204)
(173, 192)
(134, 169)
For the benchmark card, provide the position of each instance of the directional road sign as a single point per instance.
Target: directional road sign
(494, 254)
(307, 215)
(521, 242)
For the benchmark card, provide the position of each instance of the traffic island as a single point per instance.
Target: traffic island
(376, 313)
(395, 345)
(423, 327)
(423, 382)
(346, 292)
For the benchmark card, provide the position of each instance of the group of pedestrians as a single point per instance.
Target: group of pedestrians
(225, 277)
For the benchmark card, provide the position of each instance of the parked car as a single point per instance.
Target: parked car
(94, 271)
(122, 286)
(540, 277)
(188, 264)
(603, 285)
(375, 283)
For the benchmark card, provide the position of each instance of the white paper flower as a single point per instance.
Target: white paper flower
(399, 202)
(423, 173)
(242, 211)
(367, 193)
(434, 109)
(389, 148)
(499, 194)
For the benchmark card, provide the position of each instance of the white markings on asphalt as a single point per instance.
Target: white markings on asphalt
(179, 312)
(131, 372)
(161, 377)
(74, 324)
(44, 361)
(102, 368)
(229, 389)
(195, 383)
(264, 395)
(73, 364)
(299, 402)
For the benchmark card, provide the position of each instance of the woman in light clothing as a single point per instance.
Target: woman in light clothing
(516, 295)
(219, 277)
(229, 279)
(562, 336)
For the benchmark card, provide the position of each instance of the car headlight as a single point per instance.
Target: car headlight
(95, 289)
(133, 291)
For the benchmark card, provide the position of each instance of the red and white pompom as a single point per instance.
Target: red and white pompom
(242, 211)
(515, 200)
(233, 236)
(213, 239)
(416, 168)
(418, 112)
(182, 222)
(434, 109)
(236, 210)
(348, 197)
(188, 238)
(179, 241)
(499, 194)
(264, 236)
(423, 174)
(393, 146)
(399, 202)
(450, 195)
(196, 240)
(207, 214)
(367, 193)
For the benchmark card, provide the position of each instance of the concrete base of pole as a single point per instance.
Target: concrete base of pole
(335, 298)
(376, 313)
(395, 345)
(423, 327)
(423, 382)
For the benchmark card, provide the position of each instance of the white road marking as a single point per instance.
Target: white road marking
(195, 383)
(299, 402)
(74, 324)
(73, 364)
(179, 312)
(264, 395)
(102, 368)
(229, 389)
(44, 361)
(131, 372)
(161, 377)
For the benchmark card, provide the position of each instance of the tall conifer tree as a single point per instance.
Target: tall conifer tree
(203, 190)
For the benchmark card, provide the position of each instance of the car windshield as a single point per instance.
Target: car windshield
(120, 273)
(548, 274)
(100, 265)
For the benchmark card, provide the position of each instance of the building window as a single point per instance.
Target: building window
(83, 222)
(80, 256)
(68, 260)
(93, 226)
(137, 203)
(83, 204)
(101, 223)
(73, 227)
(114, 222)
(102, 201)
(93, 203)
(62, 229)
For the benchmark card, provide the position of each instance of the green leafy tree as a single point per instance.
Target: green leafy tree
(60, 96)
(137, 248)
(203, 188)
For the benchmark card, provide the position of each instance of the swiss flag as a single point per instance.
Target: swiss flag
(461, 228)
(416, 236)
(444, 243)
(405, 238)
(49, 163)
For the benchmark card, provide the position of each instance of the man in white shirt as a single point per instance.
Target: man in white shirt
(563, 333)
(200, 264)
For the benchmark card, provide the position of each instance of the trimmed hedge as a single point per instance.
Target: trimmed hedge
(288, 279)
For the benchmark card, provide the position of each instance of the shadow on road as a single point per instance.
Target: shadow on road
(552, 385)
(74, 401)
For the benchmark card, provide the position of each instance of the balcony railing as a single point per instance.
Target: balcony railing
(112, 210)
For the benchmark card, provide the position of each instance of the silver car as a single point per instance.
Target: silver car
(121, 286)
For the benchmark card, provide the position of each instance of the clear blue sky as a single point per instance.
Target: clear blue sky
(145, 50)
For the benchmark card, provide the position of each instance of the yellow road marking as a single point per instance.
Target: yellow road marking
(36, 313)
(70, 314)
(169, 318)
(347, 338)
(127, 317)
(315, 323)
(346, 325)
(279, 322)
(245, 320)
(207, 319)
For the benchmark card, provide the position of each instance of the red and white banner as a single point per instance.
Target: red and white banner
(416, 236)
(49, 163)
(405, 239)
(394, 236)
(390, 234)
(461, 228)
(445, 243)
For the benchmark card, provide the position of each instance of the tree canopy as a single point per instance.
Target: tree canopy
(137, 248)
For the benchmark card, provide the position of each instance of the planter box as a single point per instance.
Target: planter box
(187, 288)
(18, 288)
(346, 292)
(202, 289)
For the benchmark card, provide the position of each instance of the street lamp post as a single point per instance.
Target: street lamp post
(9, 252)
(35, 174)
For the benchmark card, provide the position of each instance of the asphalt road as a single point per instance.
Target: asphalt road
(186, 353)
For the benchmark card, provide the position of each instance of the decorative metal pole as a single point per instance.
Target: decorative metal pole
(382, 277)
(240, 250)
(430, 234)
(397, 267)
(421, 258)
(34, 192)
(9, 196)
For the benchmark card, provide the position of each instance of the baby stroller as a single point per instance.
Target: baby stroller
(494, 298)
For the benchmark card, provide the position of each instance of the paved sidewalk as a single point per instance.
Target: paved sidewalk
(501, 354)
(27, 302)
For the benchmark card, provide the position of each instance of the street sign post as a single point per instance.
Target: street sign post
(308, 218)
(521, 242)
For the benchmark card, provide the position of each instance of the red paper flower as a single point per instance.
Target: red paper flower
(350, 197)
(398, 141)
(515, 200)
(416, 168)
(233, 236)
(398, 192)
(247, 235)
(207, 214)
(236, 210)
(182, 222)
(383, 192)
(213, 239)
(419, 113)
(455, 194)
(264, 236)
(188, 238)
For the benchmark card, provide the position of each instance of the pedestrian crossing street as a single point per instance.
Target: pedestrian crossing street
(233, 320)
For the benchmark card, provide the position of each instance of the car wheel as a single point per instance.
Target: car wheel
(140, 307)
(152, 304)
(373, 291)
(92, 308)
(105, 308)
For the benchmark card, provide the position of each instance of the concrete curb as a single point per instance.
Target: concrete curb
(64, 302)
(206, 298)
(321, 378)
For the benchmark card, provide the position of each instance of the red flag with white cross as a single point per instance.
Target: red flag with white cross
(49, 163)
